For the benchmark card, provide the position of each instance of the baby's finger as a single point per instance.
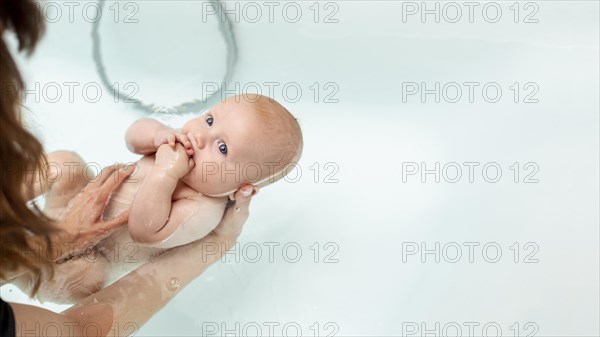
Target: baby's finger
(171, 139)
(102, 229)
(184, 140)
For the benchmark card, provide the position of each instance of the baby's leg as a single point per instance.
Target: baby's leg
(80, 276)
(64, 168)
(73, 279)
(67, 175)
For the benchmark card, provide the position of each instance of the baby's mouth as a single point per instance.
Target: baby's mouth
(194, 142)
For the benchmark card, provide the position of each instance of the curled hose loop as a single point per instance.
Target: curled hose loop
(196, 105)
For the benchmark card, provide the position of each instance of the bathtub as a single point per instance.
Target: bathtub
(449, 179)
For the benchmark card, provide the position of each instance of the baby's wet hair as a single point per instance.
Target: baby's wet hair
(283, 131)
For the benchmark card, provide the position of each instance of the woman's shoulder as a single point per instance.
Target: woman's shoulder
(7, 320)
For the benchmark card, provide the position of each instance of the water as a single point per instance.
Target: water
(344, 249)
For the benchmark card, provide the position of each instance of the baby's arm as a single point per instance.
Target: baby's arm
(154, 217)
(147, 134)
(151, 208)
(140, 135)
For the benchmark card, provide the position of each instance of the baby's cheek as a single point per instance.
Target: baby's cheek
(194, 178)
(198, 174)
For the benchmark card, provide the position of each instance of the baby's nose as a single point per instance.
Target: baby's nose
(199, 138)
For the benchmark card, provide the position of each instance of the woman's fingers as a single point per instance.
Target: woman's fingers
(111, 184)
(94, 196)
(105, 173)
(244, 191)
(243, 197)
(106, 226)
(116, 222)
(236, 215)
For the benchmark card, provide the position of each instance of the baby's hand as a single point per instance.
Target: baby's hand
(172, 137)
(175, 162)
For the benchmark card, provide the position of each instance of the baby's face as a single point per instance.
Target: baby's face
(223, 154)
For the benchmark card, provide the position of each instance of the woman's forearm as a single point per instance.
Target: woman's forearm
(123, 307)
(136, 297)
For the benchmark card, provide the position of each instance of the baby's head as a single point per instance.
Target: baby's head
(246, 139)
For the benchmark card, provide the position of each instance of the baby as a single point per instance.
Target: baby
(187, 174)
(180, 188)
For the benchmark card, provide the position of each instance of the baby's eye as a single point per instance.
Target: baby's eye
(209, 121)
(223, 148)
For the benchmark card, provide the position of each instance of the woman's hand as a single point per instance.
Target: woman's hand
(82, 225)
(223, 237)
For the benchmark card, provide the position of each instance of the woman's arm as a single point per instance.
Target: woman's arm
(82, 225)
(127, 304)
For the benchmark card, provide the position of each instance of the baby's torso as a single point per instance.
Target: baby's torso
(119, 248)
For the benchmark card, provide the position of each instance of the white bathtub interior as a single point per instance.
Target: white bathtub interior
(366, 218)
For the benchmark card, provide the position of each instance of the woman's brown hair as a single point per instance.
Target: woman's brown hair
(20, 151)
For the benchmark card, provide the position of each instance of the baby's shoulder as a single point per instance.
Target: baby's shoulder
(183, 191)
(210, 202)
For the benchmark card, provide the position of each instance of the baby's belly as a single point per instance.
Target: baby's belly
(119, 202)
